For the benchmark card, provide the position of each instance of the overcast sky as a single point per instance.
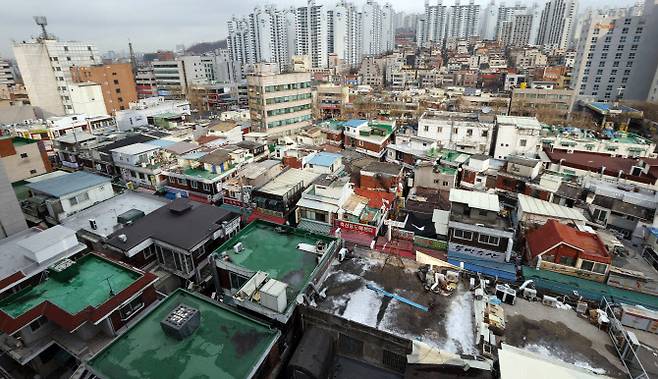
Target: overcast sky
(153, 24)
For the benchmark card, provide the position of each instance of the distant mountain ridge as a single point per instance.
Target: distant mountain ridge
(206, 47)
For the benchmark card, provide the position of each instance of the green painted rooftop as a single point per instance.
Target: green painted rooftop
(88, 287)
(200, 173)
(20, 141)
(225, 345)
(276, 253)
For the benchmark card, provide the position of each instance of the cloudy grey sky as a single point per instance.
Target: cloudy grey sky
(153, 24)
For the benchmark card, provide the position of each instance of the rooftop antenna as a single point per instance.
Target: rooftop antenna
(110, 285)
(42, 22)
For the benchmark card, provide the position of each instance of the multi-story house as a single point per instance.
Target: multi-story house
(467, 132)
(479, 236)
(140, 164)
(66, 313)
(515, 135)
(368, 137)
(276, 200)
(23, 158)
(171, 236)
(566, 250)
(65, 193)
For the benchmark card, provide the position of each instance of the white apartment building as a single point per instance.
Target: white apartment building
(487, 27)
(516, 30)
(466, 132)
(607, 54)
(516, 136)
(346, 36)
(45, 65)
(558, 20)
(462, 20)
(505, 14)
(431, 27)
(313, 34)
(198, 69)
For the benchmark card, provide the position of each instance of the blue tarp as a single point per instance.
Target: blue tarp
(501, 270)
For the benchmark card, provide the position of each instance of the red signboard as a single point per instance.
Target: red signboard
(355, 227)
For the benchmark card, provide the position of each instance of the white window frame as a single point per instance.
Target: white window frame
(488, 239)
(463, 234)
(134, 306)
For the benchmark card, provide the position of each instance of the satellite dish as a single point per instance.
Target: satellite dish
(486, 110)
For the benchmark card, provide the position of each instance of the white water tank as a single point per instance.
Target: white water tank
(273, 295)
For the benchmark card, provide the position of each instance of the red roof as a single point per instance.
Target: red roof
(553, 233)
(205, 139)
(376, 198)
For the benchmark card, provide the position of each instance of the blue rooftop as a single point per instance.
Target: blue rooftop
(324, 159)
(162, 143)
(66, 184)
(355, 123)
(607, 107)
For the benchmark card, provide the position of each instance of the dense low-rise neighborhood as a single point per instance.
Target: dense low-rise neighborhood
(336, 191)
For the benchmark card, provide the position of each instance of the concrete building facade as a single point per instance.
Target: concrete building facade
(279, 103)
(116, 81)
(45, 65)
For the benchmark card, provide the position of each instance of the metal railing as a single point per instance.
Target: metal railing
(624, 347)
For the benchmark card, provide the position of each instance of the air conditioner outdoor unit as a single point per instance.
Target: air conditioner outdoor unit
(529, 293)
(92, 224)
(549, 300)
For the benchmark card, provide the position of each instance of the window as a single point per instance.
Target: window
(78, 199)
(38, 323)
(587, 265)
(181, 181)
(130, 309)
(600, 215)
(33, 171)
(600, 268)
(194, 184)
(489, 240)
(116, 81)
(567, 261)
(426, 128)
(463, 234)
(23, 155)
(118, 90)
(523, 143)
(207, 187)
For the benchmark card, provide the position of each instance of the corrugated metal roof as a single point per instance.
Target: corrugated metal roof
(529, 204)
(479, 200)
(65, 184)
(287, 180)
(315, 204)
